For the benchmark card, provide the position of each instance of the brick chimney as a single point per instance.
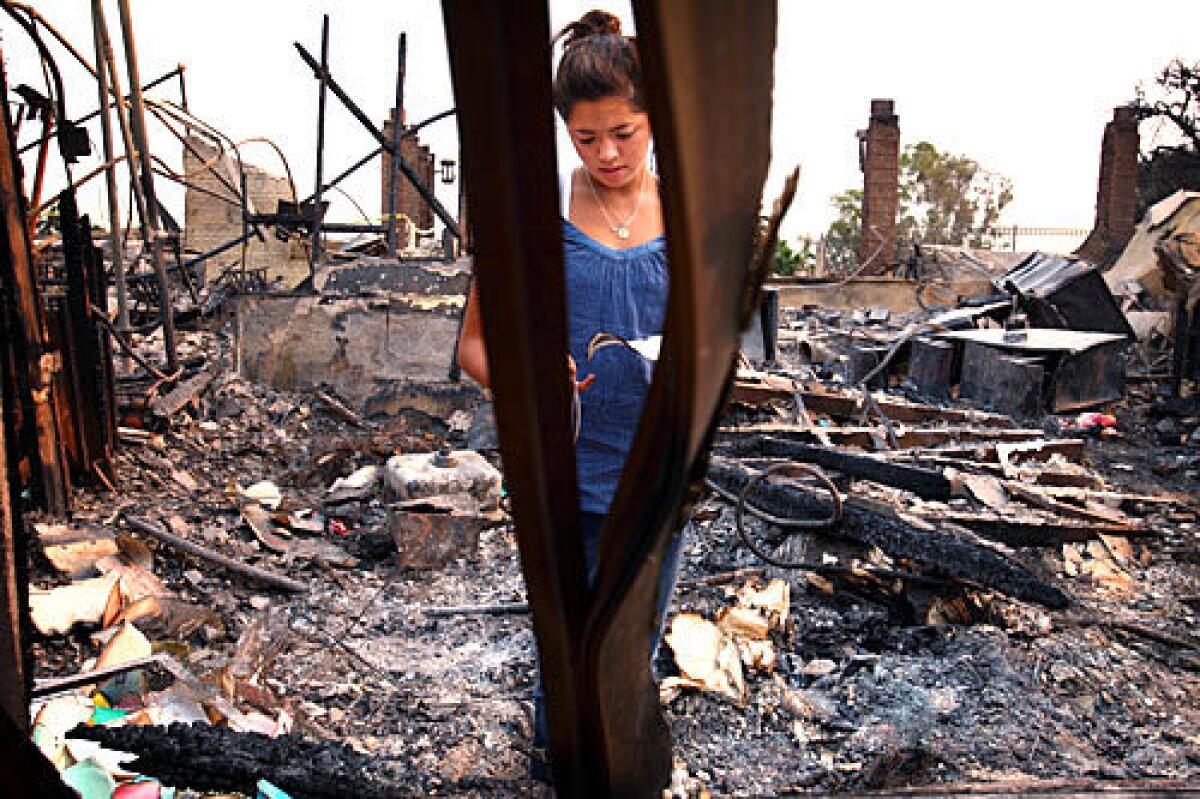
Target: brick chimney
(408, 200)
(879, 158)
(1116, 194)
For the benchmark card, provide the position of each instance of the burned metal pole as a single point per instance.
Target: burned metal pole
(150, 228)
(110, 178)
(338, 92)
(393, 164)
(111, 101)
(314, 255)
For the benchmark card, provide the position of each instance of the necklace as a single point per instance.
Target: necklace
(622, 227)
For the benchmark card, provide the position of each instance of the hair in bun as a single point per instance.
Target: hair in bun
(593, 23)
(597, 62)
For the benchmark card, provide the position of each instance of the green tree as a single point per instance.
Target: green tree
(1175, 98)
(944, 199)
(841, 240)
(790, 262)
(948, 199)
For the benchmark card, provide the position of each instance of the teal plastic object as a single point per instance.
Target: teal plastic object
(90, 779)
(268, 791)
(103, 715)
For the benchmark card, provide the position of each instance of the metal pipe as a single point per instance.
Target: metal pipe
(184, 139)
(405, 167)
(366, 159)
(187, 130)
(39, 173)
(88, 117)
(150, 220)
(314, 253)
(215, 251)
(48, 62)
(114, 203)
(393, 168)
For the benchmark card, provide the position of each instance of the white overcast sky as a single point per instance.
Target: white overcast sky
(1023, 87)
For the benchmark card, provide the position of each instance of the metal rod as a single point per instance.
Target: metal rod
(110, 178)
(100, 25)
(125, 346)
(150, 220)
(398, 117)
(405, 167)
(185, 139)
(39, 172)
(88, 117)
(243, 266)
(410, 131)
(215, 251)
(357, 165)
(57, 685)
(187, 129)
(314, 254)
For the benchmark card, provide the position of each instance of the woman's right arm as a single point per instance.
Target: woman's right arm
(472, 355)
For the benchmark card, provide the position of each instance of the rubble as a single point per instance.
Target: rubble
(940, 546)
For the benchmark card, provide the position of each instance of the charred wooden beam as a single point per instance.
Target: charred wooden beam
(925, 483)
(14, 674)
(236, 566)
(185, 393)
(915, 438)
(216, 758)
(695, 57)
(87, 357)
(847, 406)
(1032, 788)
(34, 362)
(1035, 533)
(938, 548)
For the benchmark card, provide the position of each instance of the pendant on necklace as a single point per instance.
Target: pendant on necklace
(622, 232)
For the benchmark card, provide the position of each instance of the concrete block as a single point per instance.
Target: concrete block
(424, 475)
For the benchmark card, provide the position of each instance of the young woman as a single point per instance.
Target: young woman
(616, 269)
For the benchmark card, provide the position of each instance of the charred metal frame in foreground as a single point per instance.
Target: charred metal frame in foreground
(607, 733)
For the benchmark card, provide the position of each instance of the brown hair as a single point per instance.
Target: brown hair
(597, 62)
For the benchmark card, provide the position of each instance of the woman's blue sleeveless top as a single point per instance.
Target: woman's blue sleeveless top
(613, 291)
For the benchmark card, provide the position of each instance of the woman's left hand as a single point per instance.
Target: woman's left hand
(580, 385)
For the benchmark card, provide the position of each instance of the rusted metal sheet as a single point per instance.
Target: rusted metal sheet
(432, 533)
(607, 733)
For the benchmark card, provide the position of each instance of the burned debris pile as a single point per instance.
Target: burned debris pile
(257, 536)
(991, 598)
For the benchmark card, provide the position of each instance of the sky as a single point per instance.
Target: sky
(1022, 87)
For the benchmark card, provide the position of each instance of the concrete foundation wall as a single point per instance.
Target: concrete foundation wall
(379, 352)
(895, 294)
